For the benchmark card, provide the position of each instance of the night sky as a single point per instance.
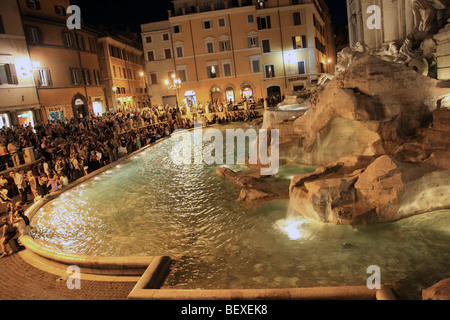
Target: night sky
(132, 13)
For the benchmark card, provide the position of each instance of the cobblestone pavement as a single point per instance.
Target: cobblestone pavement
(21, 281)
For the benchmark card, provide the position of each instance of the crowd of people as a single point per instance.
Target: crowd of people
(73, 148)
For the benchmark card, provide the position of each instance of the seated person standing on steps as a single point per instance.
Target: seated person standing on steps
(8, 233)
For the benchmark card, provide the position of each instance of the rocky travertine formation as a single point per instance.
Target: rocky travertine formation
(379, 132)
(440, 291)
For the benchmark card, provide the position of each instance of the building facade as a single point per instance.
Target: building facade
(19, 102)
(64, 61)
(396, 21)
(231, 50)
(159, 64)
(122, 71)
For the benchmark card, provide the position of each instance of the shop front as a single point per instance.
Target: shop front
(98, 106)
(79, 106)
(56, 114)
(229, 94)
(246, 91)
(25, 118)
(216, 94)
(190, 99)
(4, 120)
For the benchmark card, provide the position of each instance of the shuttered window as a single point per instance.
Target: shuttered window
(43, 77)
(8, 74)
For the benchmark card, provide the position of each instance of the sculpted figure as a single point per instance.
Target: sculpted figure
(424, 11)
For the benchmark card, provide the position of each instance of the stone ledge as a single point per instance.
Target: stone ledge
(318, 293)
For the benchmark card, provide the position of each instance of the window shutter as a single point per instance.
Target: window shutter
(294, 43)
(38, 5)
(259, 23)
(49, 77)
(12, 73)
(304, 42)
(268, 22)
(40, 35)
(72, 76)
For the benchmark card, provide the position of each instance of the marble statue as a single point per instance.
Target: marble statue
(425, 14)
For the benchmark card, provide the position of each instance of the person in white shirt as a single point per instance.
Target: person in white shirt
(12, 148)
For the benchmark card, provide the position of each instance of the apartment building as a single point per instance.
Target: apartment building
(19, 102)
(123, 75)
(228, 50)
(64, 61)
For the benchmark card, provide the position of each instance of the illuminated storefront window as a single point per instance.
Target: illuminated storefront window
(191, 99)
(26, 118)
(56, 114)
(4, 120)
(247, 93)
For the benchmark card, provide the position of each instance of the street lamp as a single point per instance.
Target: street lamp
(174, 83)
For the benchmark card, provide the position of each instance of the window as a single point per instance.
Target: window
(261, 4)
(151, 56)
(210, 47)
(134, 74)
(264, 23)
(297, 18)
(179, 51)
(295, 2)
(34, 34)
(153, 78)
(8, 74)
(298, 42)
(75, 76)
(224, 45)
(266, 46)
(206, 6)
(227, 69)
(2, 28)
(255, 65)
(221, 22)
(120, 72)
(177, 29)
(250, 19)
(67, 39)
(114, 72)
(115, 52)
(212, 71)
(33, 4)
(43, 77)
(129, 74)
(86, 76)
(97, 78)
(80, 41)
(148, 39)
(207, 24)
(60, 11)
(252, 42)
(269, 71)
(92, 45)
(168, 53)
(182, 75)
(165, 37)
(124, 73)
(301, 67)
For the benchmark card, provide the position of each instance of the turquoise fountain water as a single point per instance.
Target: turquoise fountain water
(149, 206)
